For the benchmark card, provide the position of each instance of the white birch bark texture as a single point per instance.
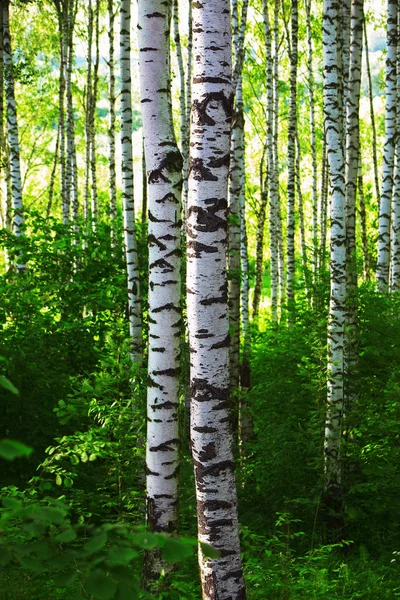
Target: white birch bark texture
(372, 112)
(134, 304)
(111, 124)
(261, 217)
(164, 171)
(211, 436)
(71, 164)
(291, 154)
(12, 128)
(311, 91)
(382, 271)
(337, 308)
(274, 211)
(395, 221)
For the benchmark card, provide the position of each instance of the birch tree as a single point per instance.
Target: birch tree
(111, 123)
(134, 304)
(12, 128)
(164, 172)
(395, 220)
(337, 306)
(382, 270)
(211, 437)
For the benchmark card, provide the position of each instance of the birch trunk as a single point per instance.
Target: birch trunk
(134, 304)
(88, 107)
(395, 222)
(53, 173)
(60, 8)
(93, 110)
(337, 308)
(211, 437)
(111, 124)
(324, 206)
(71, 165)
(311, 91)
(261, 217)
(291, 153)
(363, 222)
(164, 169)
(274, 212)
(303, 241)
(382, 271)
(13, 135)
(372, 113)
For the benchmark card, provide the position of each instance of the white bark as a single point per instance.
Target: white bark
(111, 124)
(13, 135)
(211, 436)
(337, 308)
(164, 171)
(395, 221)
(134, 304)
(382, 272)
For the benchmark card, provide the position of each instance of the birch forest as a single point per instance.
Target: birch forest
(199, 299)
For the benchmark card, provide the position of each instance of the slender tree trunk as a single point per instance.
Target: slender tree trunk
(134, 303)
(382, 271)
(311, 90)
(372, 113)
(71, 164)
(337, 308)
(60, 8)
(395, 222)
(111, 124)
(261, 217)
(53, 173)
(88, 108)
(303, 241)
(3, 191)
(291, 185)
(363, 222)
(274, 212)
(164, 167)
(144, 197)
(324, 205)
(211, 436)
(93, 111)
(13, 135)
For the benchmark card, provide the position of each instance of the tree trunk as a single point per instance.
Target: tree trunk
(363, 222)
(211, 436)
(303, 241)
(13, 136)
(164, 169)
(88, 107)
(261, 216)
(382, 271)
(337, 308)
(372, 113)
(395, 222)
(111, 125)
(134, 303)
(291, 153)
(71, 164)
(93, 110)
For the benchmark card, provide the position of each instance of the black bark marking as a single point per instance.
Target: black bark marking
(202, 391)
(167, 446)
(205, 429)
(153, 241)
(170, 197)
(208, 452)
(161, 263)
(198, 248)
(172, 163)
(168, 405)
(222, 344)
(174, 474)
(199, 172)
(224, 161)
(206, 218)
(154, 219)
(168, 372)
(199, 109)
(168, 306)
(153, 384)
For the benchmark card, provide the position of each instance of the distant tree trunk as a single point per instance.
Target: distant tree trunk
(53, 173)
(111, 124)
(144, 197)
(211, 436)
(13, 135)
(188, 95)
(132, 264)
(93, 111)
(372, 113)
(363, 223)
(261, 216)
(291, 153)
(311, 90)
(88, 107)
(303, 241)
(71, 164)
(337, 308)
(324, 206)
(382, 271)
(395, 221)
(164, 168)
(3, 191)
(274, 212)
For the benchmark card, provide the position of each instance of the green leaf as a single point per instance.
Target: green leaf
(74, 459)
(11, 503)
(59, 480)
(121, 556)
(84, 457)
(126, 591)
(48, 514)
(209, 551)
(148, 540)
(10, 449)
(66, 579)
(7, 385)
(96, 543)
(69, 535)
(175, 550)
(68, 482)
(31, 564)
(100, 586)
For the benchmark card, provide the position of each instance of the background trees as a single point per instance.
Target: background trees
(305, 128)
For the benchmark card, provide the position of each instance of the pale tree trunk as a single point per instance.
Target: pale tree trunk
(13, 136)
(3, 191)
(111, 124)
(324, 205)
(344, 33)
(382, 271)
(60, 8)
(372, 113)
(274, 212)
(363, 222)
(311, 91)
(188, 95)
(261, 217)
(352, 169)
(144, 196)
(291, 154)
(337, 308)
(164, 169)
(395, 221)
(236, 189)
(53, 173)
(93, 110)
(131, 254)
(88, 104)
(303, 240)
(71, 164)
(211, 436)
